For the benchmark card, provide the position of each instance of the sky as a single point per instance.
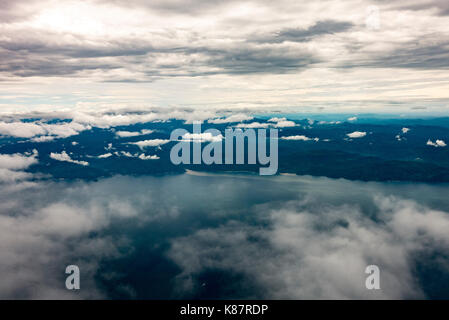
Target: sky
(314, 56)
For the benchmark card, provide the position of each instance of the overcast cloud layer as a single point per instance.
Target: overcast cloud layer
(336, 55)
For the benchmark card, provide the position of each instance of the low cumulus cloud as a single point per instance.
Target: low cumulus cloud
(285, 124)
(299, 138)
(202, 137)
(401, 135)
(356, 134)
(253, 125)
(40, 239)
(142, 156)
(310, 243)
(150, 143)
(63, 156)
(239, 117)
(319, 254)
(105, 155)
(18, 161)
(127, 154)
(127, 134)
(438, 143)
(52, 122)
(276, 119)
(41, 131)
(272, 122)
(47, 225)
(12, 166)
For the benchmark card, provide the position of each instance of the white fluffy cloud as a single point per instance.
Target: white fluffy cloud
(150, 143)
(202, 137)
(21, 129)
(84, 116)
(282, 122)
(276, 119)
(18, 161)
(285, 124)
(126, 134)
(403, 132)
(12, 166)
(437, 143)
(356, 134)
(48, 225)
(41, 238)
(105, 155)
(273, 122)
(239, 117)
(41, 131)
(142, 156)
(63, 156)
(299, 138)
(7, 175)
(253, 125)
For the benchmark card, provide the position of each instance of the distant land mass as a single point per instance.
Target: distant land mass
(367, 149)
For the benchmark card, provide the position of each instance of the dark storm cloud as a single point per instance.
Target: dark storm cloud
(302, 35)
